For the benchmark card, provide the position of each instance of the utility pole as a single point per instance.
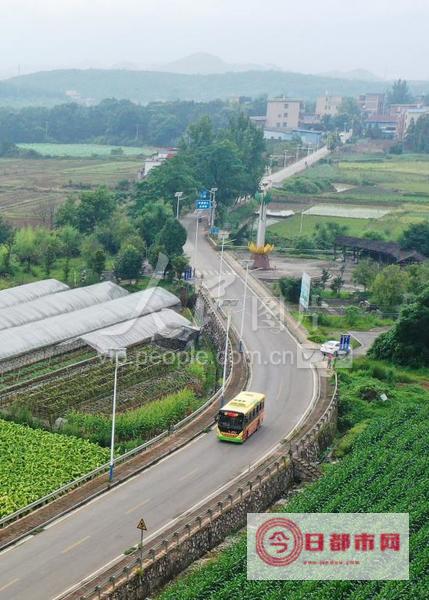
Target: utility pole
(243, 310)
(196, 243)
(213, 206)
(220, 267)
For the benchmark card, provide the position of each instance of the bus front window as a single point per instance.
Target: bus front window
(230, 421)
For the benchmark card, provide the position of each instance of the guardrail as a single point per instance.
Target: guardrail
(102, 586)
(7, 520)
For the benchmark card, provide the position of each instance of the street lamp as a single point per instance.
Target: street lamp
(178, 196)
(225, 357)
(244, 306)
(116, 354)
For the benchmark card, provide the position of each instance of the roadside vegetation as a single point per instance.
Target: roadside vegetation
(376, 465)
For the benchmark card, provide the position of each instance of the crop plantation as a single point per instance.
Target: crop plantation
(380, 465)
(56, 415)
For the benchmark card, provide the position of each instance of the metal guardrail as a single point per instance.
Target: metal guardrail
(7, 520)
(237, 492)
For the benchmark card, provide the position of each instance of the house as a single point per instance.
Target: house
(412, 114)
(156, 160)
(283, 113)
(372, 103)
(386, 124)
(328, 105)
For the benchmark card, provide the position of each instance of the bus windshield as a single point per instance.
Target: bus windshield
(230, 421)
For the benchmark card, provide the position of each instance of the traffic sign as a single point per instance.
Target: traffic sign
(142, 525)
(345, 340)
(203, 204)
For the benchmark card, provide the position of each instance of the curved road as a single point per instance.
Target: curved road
(87, 540)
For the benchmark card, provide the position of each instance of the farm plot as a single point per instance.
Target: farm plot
(352, 212)
(87, 150)
(89, 387)
(35, 462)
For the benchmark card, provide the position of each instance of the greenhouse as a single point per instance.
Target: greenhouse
(30, 291)
(59, 303)
(136, 331)
(62, 328)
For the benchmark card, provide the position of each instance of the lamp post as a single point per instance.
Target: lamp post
(220, 268)
(196, 242)
(244, 306)
(116, 353)
(225, 357)
(178, 196)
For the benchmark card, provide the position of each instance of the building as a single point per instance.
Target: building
(259, 121)
(385, 252)
(372, 104)
(387, 125)
(283, 113)
(156, 160)
(412, 114)
(328, 105)
(307, 136)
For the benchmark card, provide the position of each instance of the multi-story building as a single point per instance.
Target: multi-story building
(328, 105)
(372, 103)
(412, 114)
(283, 113)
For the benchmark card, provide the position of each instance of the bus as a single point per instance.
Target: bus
(241, 417)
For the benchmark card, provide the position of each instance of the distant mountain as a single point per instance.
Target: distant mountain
(93, 85)
(354, 75)
(202, 63)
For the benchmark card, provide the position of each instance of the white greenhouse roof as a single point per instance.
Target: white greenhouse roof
(30, 291)
(135, 331)
(61, 328)
(60, 303)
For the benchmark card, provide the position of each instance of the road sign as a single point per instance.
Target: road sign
(203, 204)
(187, 273)
(214, 230)
(345, 340)
(304, 299)
(142, 525)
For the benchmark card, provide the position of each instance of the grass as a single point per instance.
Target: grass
(86, 150)
(383, 456)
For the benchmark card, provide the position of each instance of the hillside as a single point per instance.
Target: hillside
(53, 87)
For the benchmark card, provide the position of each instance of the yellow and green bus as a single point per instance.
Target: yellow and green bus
(241, 417)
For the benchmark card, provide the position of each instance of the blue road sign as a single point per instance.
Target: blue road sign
(345, 340)
(203, 204)
(187, 273)
(205, 195)
(214, 230)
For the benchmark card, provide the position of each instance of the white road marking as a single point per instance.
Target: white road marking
(188, 474)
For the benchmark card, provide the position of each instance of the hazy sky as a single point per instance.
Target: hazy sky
(388, 37)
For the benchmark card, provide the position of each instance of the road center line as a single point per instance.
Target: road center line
(187, 475)
(139, 505)
(72, 546)
(7, 585)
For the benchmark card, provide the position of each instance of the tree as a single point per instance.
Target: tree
(94, 255)
(173, 237)
(407, 342)
(47, 245)
(399, 93)
(152, 219)
(69, 239)
(365, 272)
(324, 278)
(389, 287)
(416, 237)
(349, 115)
(66, 214)
(337, 284)
(94, 208)
(7, 236)
(128, 263)
(179, 264)
(290, 287)
(25, 247)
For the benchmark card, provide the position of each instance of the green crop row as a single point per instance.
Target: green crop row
(135, 426)
(385, 471)
(35, 462)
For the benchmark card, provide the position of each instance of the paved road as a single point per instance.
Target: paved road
(366, 339)
(90, 538)
(279, 176)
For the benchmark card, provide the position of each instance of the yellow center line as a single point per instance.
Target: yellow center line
(188, 475)
(75, 544)
(9, 584)
(139, 505)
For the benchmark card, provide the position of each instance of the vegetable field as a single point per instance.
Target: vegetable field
(35, 462)
(87, 150)
(384, 470)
